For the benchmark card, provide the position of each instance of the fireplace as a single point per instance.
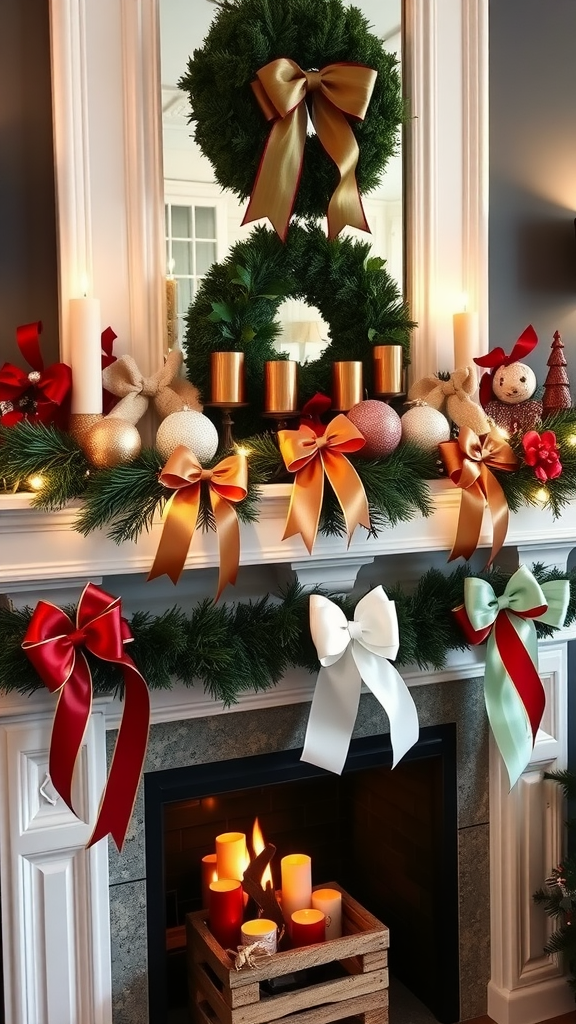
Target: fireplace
(390, 838)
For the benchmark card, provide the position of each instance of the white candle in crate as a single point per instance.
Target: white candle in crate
(231, 855)
(296, 871)
(329, 901)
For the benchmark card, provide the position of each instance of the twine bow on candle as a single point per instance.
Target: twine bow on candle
(35, 396)
(469, 462)
(123, 379)
(309, 456)
(513, 690)
(497, 357)
(453, 397)
(350, 652)
(337, 91)
(56, 647)
(227, 484)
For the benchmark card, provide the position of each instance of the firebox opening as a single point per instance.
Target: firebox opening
(388, 837)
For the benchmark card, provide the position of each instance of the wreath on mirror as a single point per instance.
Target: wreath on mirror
(228, 123)
(237, 304)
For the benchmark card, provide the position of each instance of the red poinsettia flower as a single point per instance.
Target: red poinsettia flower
(540, 451)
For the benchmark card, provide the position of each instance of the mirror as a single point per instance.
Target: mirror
(203, 221)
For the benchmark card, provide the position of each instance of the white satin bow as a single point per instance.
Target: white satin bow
(350, 652)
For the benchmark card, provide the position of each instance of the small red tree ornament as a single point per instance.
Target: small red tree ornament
(556, 386)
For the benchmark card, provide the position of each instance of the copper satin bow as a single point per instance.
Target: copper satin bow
(55, 646)
(468, 462)
(227, 485)
(453, 396)
(338, 91)
(309, 457)
(46, 388)
(497, 357)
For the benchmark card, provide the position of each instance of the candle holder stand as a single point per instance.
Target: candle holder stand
(227, 422)
(282, 418)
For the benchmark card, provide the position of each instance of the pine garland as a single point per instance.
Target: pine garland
(233, 648)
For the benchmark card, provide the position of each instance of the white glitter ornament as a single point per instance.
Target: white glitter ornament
(425, 427)
(379, 424)
(514, 383)
(192, 429)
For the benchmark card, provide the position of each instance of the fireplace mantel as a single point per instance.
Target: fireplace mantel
(55, 893)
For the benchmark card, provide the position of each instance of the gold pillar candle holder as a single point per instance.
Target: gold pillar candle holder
(388, 370)
(227, 378)
(347, 385)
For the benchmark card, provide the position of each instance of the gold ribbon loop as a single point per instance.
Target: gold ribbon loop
(337, 92)
(309, 457)
(468, 462)
(227, 484)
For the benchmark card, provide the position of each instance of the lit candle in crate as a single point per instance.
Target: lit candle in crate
(225, 910)
(296, 871)
(308, 926)
(262, 931)
(329, 901)
(209, 874)
(231, 855)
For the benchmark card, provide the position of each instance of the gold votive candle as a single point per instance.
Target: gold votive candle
(280, 386)
(346, 385)
(227, 377)
(388, 369)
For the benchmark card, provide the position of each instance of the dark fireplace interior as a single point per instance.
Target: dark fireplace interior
(388, 837)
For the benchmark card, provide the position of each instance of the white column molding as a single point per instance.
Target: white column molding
(335, 574)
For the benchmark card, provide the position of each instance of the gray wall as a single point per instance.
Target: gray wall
(533, 175)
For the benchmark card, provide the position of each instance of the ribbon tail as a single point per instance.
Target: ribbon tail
(498, 510)
(349, 490)
(469, 522)
(278, 175)
(390, 690)
(507, 715)
(518, 646)
(332, 715)
(127, 761)
(306, 503)
(228, 532)
(179, 524)
(338, 139)
(70, 721)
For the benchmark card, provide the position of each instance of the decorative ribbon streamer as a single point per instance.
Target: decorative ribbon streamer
(453, 397)
(309, 456)
(468, 462)
(313, 410)
(497, 357)
(513, 690)
(56, 647)
(227, 485)
(107, 338)
(34, 396)
(123, 379)
(337, 91)
(350, 652)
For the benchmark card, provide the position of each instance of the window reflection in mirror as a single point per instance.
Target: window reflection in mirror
(203, 220)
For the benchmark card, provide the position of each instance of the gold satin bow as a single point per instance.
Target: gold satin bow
(227, 485)
(309, 457)
(468, 462)
(453, 396)
(338, 91)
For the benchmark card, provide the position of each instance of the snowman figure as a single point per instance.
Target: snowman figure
(506, 390)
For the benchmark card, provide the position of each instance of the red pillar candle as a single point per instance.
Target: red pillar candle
(308, 926)
(225, 909)
(209, 874)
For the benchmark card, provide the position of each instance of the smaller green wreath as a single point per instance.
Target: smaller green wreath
(228, 124)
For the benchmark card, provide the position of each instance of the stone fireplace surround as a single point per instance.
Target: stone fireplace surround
(63, 905)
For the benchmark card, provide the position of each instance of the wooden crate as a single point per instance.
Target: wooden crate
(219, 994)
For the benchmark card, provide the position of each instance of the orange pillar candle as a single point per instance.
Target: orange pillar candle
(296, 872)
(280, 386)
(227, 378)
(388, 370)
(329, 901)
(346, 385)
(209, 874)
(225, 910)
(308, 926)
(231, 855)
(262, 931)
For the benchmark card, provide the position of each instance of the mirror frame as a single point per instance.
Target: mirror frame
(108, 158)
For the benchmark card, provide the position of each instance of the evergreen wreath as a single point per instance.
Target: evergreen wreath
(228, 124)
(241, 647)
(237, 303)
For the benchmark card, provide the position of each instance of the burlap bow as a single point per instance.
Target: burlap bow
(469, 462)
(350, 652)
(453, 397)
(338, 91)
(124, 379)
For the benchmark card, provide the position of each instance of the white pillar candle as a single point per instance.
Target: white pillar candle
(262, 931)
(85, 356)
(329, 901)
(466, 339)
(231, 855)
(296, 872)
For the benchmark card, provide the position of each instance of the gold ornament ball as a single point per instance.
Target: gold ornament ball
(379, 424)
(112, 442)
(425, 426)
(192, 429)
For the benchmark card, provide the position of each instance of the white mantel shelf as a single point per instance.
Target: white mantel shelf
(45, 546)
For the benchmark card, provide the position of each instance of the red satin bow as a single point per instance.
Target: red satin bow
(497, 357)
(313, 410)
(108, 338)
(56, 646)
(33, 396)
